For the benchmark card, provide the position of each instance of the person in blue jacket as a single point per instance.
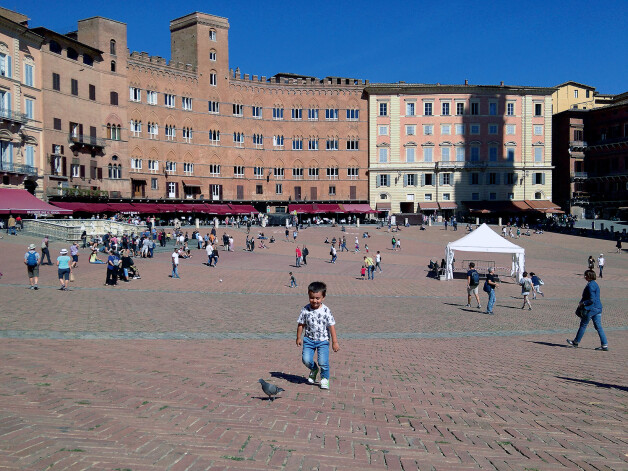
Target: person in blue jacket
(592, 306)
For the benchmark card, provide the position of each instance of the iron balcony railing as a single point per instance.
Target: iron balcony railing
(86, 140)
(15, 116)
(10, 167)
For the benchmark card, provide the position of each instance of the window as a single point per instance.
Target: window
(187, 135)
(383, 155)
(332, 190)
(428, 129)
(312, 114)
(446, 178)
(511, 129)
(459, 109)
(113, 131)
(353, 144)
(445, 108)
(510, 108)
(28, 75)
(538, 130)
(428, 196)
(493, 178)
(257, 112)
(445, 129)
(188, 168)
(428, 154)
(492, 153)
(492, 108)
(383, 109)
(136, 164)
(331, 114)
(460, 154)
(492, 129)
(475, 179)
(74, 87)
(383, 130)
(427, 107)
(383, 180)
(214, 137)
(278, 188)
(115, 171)
(214, 107)
(153, 166)
(258, 172)
(277, 113)
(259, 190)
(312, 173)
(297, 173)
(113, 98)
(410, 154)
(154, 184)
(186, 103)
(238, 139)
(352, 173)
(55, 47)
(172, 190)
(410, 179)
(72, 54)
(169, 100)
(510, 153)
(538, 154)
(278, 141)
(112, 47)
(538, 109)
(75, 170)
(475, 196)
(492, 196)
(575, 93)
(56, 82)
(238, 171)
(135, 94)
(92, 92)
(475, 154)
(410, 129)
(474, 129)
(475, 108)
(136, 127)
(410, 108)
(28, 105)
(538, 195)
(459, 129)
(30, 155)
(445, 154)
(258, 140)
(353, 115)
(212, 56)
(170, 132)
(297, 143)
(297, 114)
(213, 79)
(212, 35)
(332, 143)
(214, 170)
(113, 66)
(538, 178)
(151, 97)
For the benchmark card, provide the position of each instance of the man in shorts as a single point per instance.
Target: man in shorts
(473, 281)
(32, 261)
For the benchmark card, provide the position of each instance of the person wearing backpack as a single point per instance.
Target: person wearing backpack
(473, 281)
(32, 260)
(526, 288)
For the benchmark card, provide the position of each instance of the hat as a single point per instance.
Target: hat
(601, 255)
(63, 251)
(31, 247)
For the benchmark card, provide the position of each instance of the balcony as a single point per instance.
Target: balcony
(10, 167)
(577, 145)
(578, 176)
(87, 141)
(12, 116)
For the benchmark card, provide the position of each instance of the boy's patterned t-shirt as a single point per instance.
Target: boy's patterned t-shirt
(316, 322)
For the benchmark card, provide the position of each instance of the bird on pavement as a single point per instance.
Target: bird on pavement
(270, 389)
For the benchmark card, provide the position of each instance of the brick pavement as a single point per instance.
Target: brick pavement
(162, 374)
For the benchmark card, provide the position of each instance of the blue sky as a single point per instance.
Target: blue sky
(535, 43)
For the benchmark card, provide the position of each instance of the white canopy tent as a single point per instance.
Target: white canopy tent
(485, 240)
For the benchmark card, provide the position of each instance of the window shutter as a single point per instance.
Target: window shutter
(479, 178)
(63, 169)
(52, 165)
(9, 99)
(422, 179)
(82, 170)
(10, 152)
(497, 179)
(388, 181)
(377, 181)
(9, 67)
(441, 179)
(80, 129)
(416, 178)
(220, 192)
(470, 179)
(405, 179)
(176, 189)
(99, 173)
(131, 93)
(543, 178)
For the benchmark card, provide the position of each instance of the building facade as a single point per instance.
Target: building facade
(444, 147)
(20, 104)
(577, 96)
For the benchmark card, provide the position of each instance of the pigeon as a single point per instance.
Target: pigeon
(270, 389)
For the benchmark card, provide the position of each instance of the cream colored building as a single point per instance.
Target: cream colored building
(459, 147)
(577, 96)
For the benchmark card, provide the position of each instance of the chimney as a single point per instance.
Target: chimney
(501, 84)
(466, 82)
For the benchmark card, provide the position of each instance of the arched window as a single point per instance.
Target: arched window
(72, 54)
(113, 66)
(55, 47)
(112, 47)
(87, 60)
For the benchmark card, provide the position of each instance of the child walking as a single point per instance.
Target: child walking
(318, 324)
(526, 287)
(293, 281)
(536, 285)
(363, 271)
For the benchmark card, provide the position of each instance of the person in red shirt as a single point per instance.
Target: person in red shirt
(298, 254)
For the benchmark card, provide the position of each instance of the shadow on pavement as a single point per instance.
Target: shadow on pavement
(294, 379)
(550, 344)
(595, 383)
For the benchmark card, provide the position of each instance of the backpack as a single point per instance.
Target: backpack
(527, 286)
(475, 278)
(487, 288)
(31, 259)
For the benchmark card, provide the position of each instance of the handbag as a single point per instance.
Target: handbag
(72, 276)
(581, 312)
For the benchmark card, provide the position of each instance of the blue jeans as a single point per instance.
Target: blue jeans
(596, 317)
(491, 301)
(371, 272)
(293, 284)
(175, 271)
(333, 258)
(298, 261)
(322, 346)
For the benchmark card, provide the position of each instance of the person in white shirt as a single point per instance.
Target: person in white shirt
(175, 264)
(600, 263)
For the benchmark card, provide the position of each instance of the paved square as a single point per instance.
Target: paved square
(162, 374)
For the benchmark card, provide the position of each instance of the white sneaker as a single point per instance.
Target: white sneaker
(324, 383)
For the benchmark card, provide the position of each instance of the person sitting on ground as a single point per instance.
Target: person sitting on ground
(262, 245)
(326, 240)
(272, 239)
(93, 258)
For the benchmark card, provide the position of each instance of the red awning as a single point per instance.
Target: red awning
(359, 208)
(486, 207)
(301, 208)
(123, 207)
(243, 209)
(428, 205)
(145, 208)
(14, 201)
(541, 205)
(195, 208)
(320, 208)
(192, 183)
(219, 209)
(72, 206)
(448, 205)
(383, 206)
